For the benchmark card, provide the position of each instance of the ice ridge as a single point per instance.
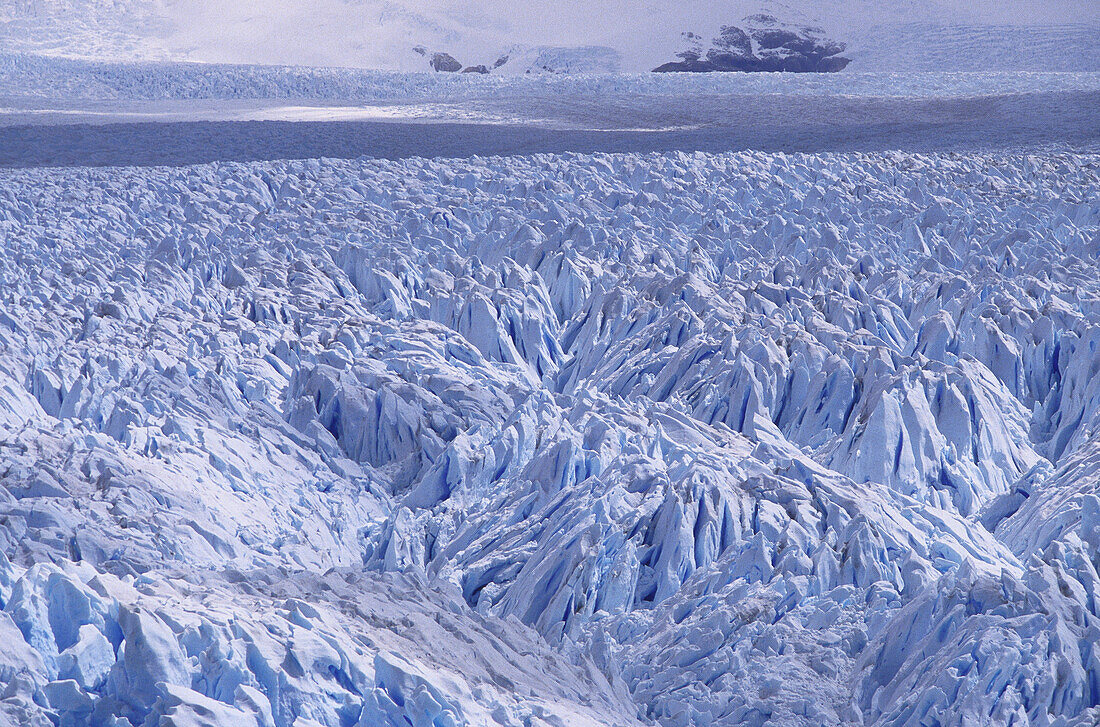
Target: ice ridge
(683, 439)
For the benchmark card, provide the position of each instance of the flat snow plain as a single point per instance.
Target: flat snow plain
(728, 438)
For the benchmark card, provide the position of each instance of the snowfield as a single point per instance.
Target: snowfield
(583, 439)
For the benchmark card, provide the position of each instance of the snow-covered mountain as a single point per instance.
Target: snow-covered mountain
(564, 35)
(761, 43)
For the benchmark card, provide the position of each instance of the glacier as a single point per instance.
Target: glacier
(76, 113)
(672, 438)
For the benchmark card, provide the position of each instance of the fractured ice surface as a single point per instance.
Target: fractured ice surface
(584, 440)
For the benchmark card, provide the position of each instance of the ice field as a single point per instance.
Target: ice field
(583, 439)
(66, 112)
(357, 398)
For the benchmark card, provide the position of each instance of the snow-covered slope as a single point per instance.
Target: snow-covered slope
(565, 36)
(586, 440)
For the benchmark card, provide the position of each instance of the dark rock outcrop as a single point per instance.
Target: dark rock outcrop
(733, 40)
(445, 62)
(764, 44)
(475, 69)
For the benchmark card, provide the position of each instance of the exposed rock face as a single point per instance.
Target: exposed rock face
(445, 62)
(734, 41)
(475, 69)
(763, 44)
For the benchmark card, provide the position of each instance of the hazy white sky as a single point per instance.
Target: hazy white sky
(382, 32)
(466, 25)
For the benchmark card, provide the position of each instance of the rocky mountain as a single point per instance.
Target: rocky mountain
(763, 43)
